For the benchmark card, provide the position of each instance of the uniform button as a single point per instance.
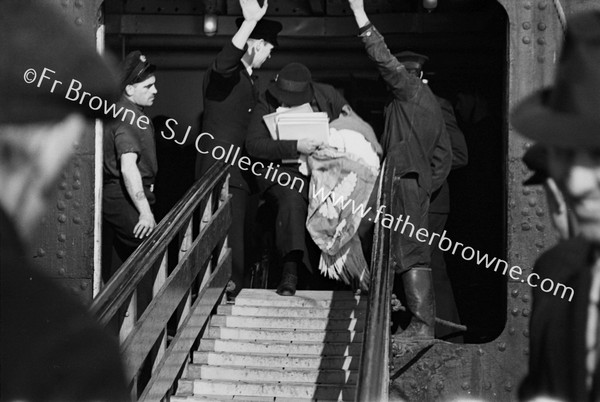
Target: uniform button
(249, 110)
(368, 33)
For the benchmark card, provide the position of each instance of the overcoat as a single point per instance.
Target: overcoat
(558, 325)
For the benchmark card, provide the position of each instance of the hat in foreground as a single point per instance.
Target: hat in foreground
(568, 114)
(40, 55)
(536, 159)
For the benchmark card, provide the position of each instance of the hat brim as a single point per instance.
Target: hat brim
(291, 98)
(535, 179)
(535, 120)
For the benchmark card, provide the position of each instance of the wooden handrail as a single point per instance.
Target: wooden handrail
(187, 289)
(373, 374)
(126, 279)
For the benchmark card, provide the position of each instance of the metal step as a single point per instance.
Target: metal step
(257, 374)
(303, 298)
(284, 335)
(275, 389)
(280, 348)
(318, 324)
(287, 361)
(242, 398)
(288, 311)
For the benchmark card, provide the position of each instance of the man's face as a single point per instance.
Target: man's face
(577, 173)
(261, 51)
(143, 93)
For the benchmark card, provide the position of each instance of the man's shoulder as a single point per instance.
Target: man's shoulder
(50, 340)
(564, 259)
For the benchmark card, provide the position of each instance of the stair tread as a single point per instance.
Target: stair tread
(271, 342)
(243, 398)
(292, 311)
(300, 294)
(267, 382)
(297, 330)
(264, 360)
(276, 368)
(262, 388)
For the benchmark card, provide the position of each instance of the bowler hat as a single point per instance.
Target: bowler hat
(411, 60)
(264, 29)
(44, 59)
(568, 114)
(135, 68)
(536, 159)
(293, 85)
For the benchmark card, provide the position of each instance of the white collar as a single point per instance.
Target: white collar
(248, 67)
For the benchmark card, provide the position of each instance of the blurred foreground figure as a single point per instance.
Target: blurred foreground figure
(536, 159)
(564, 327)
(51, 348)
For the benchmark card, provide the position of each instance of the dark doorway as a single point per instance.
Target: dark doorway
(466, 42)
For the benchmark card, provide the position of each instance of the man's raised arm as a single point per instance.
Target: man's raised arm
(391, 70)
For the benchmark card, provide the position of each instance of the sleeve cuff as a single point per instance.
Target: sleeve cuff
(364, 29)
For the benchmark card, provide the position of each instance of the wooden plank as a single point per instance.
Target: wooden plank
(154, 319)
(181, 346)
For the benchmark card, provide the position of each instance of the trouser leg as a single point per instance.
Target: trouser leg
(237, 239)
(444, 295)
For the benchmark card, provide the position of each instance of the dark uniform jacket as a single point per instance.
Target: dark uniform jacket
(229, 97)
(259, 143)
(51, 348)
(440, 199)
(557, 331)
(122, 136)
(414, 129)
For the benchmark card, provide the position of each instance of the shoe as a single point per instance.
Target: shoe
(231, 291)
(287, 286)
(420, 302)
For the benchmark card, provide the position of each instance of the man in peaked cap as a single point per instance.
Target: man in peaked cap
(439, 202)
(130, 165)
(413, 62)
(51, 348)
(230, 92)
(564, 357)
(419, 157)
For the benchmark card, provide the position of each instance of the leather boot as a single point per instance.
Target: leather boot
(420, 302)
(289, 279)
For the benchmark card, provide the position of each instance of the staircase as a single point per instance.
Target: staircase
(266, 347)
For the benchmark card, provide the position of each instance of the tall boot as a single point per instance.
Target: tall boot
(420, 302)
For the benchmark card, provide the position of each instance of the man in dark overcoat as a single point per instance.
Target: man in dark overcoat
(230, 92)
(564, 352)
(52, 349)
(418, 160)
(292, 87)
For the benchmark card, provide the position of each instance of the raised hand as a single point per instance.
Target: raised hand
(356, 5)
(252, 11)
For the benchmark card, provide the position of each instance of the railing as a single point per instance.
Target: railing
(189, 263)
(373, 374)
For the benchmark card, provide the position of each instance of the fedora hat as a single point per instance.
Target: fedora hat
(536, 159)
(568, 114)
(293, 85)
